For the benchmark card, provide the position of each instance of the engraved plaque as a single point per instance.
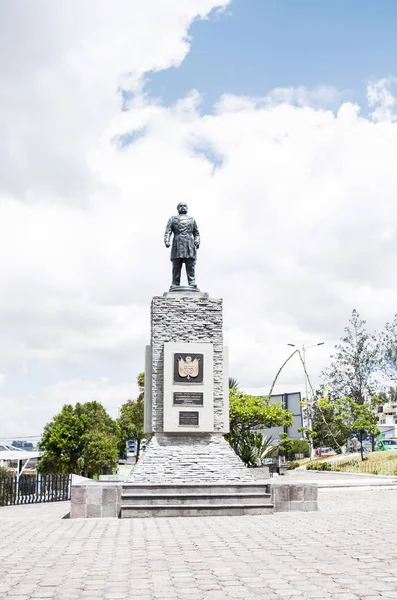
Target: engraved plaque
(188, 368)
(188, 418)
(189, 398)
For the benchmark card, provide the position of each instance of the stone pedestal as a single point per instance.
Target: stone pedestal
(188, 469)
(182, 325)
(187, 395)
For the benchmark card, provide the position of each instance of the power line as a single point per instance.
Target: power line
(16, 437)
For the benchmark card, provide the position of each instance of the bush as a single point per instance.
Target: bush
(293, 464)
(6, 492)
(319, 466)
(288, 447)
(301, 447)
(5, 472)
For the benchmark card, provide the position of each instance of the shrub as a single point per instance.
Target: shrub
(6, 492)
(288, 447)
(293, 464)
(319, 466)
(301, 447)
(5, 472)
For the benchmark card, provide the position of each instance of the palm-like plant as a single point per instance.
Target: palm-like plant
(233, 383)
(263, 447)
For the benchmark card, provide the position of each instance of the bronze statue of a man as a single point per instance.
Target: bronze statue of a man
(184, 245)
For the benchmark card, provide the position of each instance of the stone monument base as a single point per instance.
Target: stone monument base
(100, 499)
(198, 459)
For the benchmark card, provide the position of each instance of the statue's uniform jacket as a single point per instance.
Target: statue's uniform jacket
(186, 233)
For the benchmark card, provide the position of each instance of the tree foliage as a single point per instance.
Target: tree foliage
(131, 419)
(336, 420)
(100, 451)
(388, 350)
(350, 389)
(364, 422)
(255, 412)
(73, 436)
(330, 423)
(288, 447)
(250, 413)
(351, 373)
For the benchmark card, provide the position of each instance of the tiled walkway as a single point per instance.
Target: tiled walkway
(347, 550)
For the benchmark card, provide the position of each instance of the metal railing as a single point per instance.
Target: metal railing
(369, 467)
(31, 489)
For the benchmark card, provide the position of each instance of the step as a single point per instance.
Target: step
(191, 488)
(132, 499)
(194, 510)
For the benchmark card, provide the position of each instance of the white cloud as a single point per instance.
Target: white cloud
(382, 99)
(26, 417)
(295, 204)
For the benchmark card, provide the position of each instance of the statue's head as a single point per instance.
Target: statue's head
(182, 208)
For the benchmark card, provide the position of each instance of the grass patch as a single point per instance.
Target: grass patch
(374, 463)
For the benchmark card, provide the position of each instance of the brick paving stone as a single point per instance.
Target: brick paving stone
(287, 555)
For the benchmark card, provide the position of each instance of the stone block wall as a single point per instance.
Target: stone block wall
(95, 500)
(190, 459)
(294, 496)
(191, 317)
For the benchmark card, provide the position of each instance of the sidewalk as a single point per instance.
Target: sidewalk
(344, 551)
(333, 479)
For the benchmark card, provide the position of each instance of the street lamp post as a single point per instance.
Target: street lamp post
(303, 358)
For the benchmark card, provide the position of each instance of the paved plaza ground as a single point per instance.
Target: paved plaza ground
(347, 550)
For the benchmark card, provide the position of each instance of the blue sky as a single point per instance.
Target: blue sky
(258, 45)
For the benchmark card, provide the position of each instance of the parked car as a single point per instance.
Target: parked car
(386, 445)
(324, 452)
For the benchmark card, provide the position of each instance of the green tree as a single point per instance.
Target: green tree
(388, 350)
(352, 376)
(99, 452)
(351, 373)
(67, 438)
(131, 419)
(364, 422)
(250, 413)
(6, 486)
(336, 420)
(288, 447)
(330, 423)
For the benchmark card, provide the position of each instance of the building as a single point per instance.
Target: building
(387, 420)
(291, 402)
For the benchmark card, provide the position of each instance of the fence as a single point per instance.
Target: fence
(373, 467)
(30, 489)
(369, 467)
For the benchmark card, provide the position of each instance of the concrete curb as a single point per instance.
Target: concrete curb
(336, 473)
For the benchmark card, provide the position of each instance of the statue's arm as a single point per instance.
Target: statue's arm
(196, 235)
(168, 232)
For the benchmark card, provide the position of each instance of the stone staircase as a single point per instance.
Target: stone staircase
(187, 499)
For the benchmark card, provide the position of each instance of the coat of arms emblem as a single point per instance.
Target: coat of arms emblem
(188, 367)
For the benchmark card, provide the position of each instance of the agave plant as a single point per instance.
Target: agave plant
(263, 447)
(233, 383)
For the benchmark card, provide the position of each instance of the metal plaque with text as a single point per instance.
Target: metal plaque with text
(188, 418)
(189, 398)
